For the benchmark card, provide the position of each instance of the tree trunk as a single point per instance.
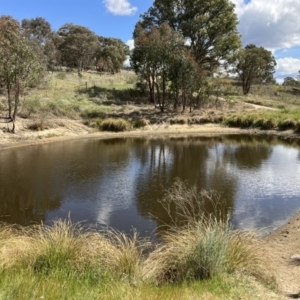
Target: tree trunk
(158, 97)
(8, 89)
(17, 99)
(151, 91)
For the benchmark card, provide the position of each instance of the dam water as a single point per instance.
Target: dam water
(120, 182)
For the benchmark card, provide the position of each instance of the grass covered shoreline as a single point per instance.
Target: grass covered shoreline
(200, 256)
(63, 261)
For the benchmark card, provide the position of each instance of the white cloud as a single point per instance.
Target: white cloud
(120, 7)
(288, 66)
(130, 43)
(268, 23)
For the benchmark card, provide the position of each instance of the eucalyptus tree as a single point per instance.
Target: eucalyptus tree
(20, 66)
(254, 65)
(77, 46)
(42, 37)
(291, 81)
(152, 57)
(185, 78)
(111, 54)
(38, 29)
(209, 27)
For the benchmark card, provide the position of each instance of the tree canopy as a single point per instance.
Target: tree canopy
(254, 65)
(178, 41)
(37, 28)
(291, 81)
(209, 27)
(77, 46)
(111, 54)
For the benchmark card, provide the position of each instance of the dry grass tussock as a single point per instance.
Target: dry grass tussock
(65, 246)
(200, 245)
(197, 246)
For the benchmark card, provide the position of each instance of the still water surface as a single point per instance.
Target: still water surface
(118, 182)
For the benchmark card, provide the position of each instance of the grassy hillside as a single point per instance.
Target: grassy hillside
(112, 103)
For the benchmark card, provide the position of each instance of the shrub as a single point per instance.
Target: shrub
(114, 125)
(286, 124)
(31, 105)
(37, 125)
(139, 123)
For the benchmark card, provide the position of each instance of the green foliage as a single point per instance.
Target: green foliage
(175, 51)
(77, 46)
(290, 81)
(254, 65)
(31, 105)
(20, 65)
(37, 28)
(211, 27)
(111, 55)
(266, 120)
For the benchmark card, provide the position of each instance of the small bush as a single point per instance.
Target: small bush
(31, 105)
(37, 125)
(287, 124)
(140, 123)
(115, 125)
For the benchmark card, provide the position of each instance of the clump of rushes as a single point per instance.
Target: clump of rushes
(140, 123)
(114, 125)
(206, 246)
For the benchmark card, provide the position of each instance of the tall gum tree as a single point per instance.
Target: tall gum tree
(152, 57)
(42, 37)
(19, 65)
(209, 27)
(77, 46)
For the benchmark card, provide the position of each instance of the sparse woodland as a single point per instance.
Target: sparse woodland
(187, 58)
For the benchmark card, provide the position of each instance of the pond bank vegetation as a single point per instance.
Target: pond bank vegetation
(200, 255)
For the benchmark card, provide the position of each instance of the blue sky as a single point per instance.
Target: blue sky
(116, 20)
(274, 25)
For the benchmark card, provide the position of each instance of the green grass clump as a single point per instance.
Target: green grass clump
(115, 125)
(203, 250)
(266, 120)
(200, 245)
